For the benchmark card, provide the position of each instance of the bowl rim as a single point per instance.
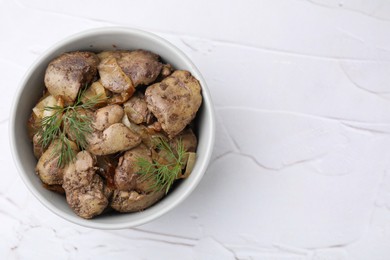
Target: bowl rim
(91, 33)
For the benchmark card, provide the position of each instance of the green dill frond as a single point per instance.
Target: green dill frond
(49, 127)
(65, 151)
(78, 126)
(164, 175)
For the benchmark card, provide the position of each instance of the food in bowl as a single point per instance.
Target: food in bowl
(114, 130)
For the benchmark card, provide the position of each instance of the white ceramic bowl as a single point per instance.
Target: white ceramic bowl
(30, 90)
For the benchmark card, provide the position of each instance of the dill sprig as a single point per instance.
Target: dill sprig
(78, 124)
(163, 174)
(64, 149)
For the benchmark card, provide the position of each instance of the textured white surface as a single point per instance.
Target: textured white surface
(301, 165)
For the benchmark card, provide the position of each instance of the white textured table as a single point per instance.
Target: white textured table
(301, 164)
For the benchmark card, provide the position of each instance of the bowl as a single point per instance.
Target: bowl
(30, 90)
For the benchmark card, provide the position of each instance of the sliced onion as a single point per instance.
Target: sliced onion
(39, 110)
(190, 165)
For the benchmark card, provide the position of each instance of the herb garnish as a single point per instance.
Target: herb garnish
(164, 174)
(78, 124)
